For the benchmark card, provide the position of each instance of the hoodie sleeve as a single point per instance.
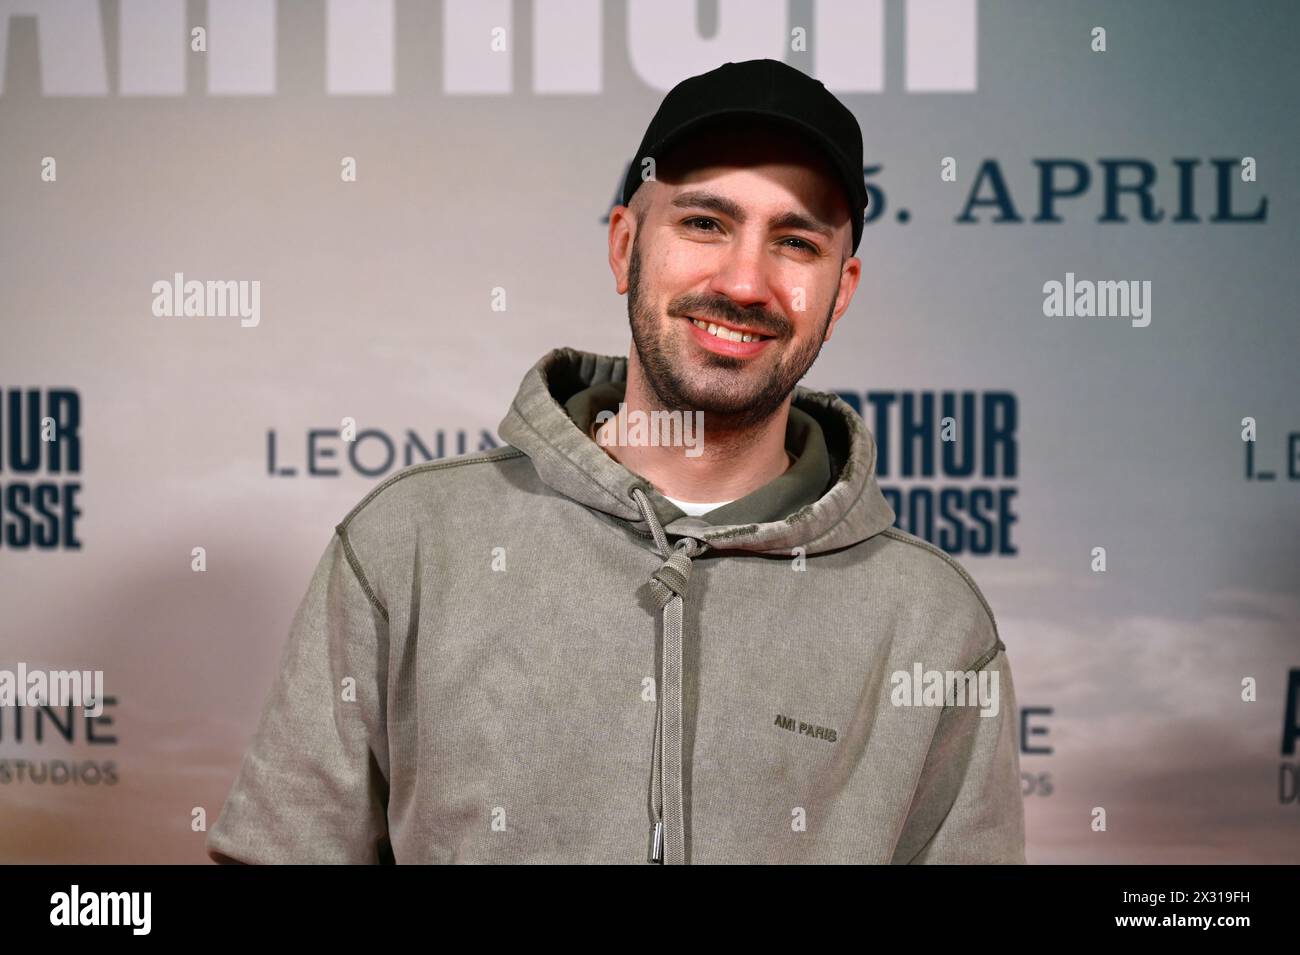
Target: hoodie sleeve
(313, 787)
(968, 806)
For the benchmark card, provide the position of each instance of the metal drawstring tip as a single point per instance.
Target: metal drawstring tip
(657, 843)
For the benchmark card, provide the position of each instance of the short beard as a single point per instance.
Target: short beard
(730, 406)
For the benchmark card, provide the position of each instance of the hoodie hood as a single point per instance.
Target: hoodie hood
(571, 463)
(568, 461)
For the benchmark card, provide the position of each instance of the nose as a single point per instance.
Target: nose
(742, 273)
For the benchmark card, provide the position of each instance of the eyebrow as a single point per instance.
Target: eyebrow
(698, 199)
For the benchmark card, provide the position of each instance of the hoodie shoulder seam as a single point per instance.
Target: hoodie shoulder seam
(987, 656)
(895, 534)
(500, 454)
(355, 563)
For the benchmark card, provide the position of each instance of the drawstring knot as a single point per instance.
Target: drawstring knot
(674, 574)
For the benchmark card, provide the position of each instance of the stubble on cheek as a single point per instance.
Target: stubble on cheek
(685, 376)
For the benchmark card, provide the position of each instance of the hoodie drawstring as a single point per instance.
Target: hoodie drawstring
(669, 584)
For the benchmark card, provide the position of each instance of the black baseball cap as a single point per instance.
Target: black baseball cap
(762, 90)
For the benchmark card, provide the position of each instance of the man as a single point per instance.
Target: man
(593, 645)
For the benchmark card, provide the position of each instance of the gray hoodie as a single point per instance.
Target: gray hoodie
(530, 655)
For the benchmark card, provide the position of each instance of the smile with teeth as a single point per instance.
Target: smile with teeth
(722, 331)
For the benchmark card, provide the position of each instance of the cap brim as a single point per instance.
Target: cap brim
(849, 176)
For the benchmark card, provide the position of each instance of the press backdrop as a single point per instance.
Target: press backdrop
(488, 140)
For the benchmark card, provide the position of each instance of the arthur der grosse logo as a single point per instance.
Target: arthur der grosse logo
(40, 464)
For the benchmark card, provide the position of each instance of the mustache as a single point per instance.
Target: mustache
(724, 310)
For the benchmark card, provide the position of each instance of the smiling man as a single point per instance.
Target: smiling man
(608, 643)
(748, 236)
